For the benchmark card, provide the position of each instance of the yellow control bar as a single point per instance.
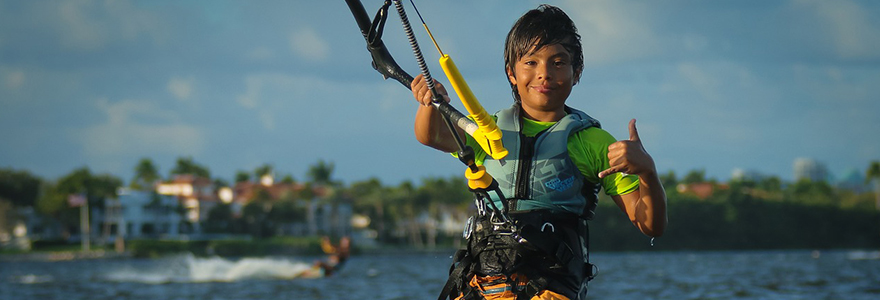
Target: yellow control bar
(488, 135)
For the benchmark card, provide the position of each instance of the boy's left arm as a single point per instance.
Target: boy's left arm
(646, 207)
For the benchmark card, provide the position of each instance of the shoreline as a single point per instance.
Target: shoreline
(55, 256)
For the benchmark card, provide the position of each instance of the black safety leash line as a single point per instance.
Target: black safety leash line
(384, 63)
(465, 153)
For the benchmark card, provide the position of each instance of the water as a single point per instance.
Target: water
(641, 275)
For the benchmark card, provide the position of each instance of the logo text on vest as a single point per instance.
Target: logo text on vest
(560, 185)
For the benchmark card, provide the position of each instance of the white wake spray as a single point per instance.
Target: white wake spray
(188, 268)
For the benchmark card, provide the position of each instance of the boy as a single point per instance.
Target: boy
(558, 160)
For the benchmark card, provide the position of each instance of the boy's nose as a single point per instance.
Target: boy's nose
(544, 71)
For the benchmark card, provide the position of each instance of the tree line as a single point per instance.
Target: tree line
(740, 214)
(766, 213)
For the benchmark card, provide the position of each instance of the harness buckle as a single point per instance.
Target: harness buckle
(593, 271)
(468, 228)
(501, 229)
(552, 228)
(481, 205)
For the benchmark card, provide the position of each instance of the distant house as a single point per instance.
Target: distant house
(701, 190)
(139, 214)
(14, 231)
(245, 191)
(195, 194)
(321, 217)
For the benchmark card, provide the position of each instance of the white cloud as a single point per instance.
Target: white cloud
(695, 43)
(306, 42)
(91, 25)
(80, 30)
(13, 79)
(704, 83)
(850, 29)
(613, 30)
(278, 99)
(261, 53)
(253, 90)
(267, 118)
(125, 132)
(181, 88)
(263, 90)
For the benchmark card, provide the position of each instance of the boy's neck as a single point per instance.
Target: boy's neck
(544, 116)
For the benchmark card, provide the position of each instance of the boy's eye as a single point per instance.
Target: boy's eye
(530, 63)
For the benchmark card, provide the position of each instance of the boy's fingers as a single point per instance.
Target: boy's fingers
(416, 81)
(441, 89)
(609, 171)
(614, 146)
(416, 87)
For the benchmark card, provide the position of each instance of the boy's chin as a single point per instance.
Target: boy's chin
(544, 103)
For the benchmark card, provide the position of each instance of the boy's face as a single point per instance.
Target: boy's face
(543, 79)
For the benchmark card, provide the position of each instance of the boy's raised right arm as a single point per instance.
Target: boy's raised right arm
(430, 129)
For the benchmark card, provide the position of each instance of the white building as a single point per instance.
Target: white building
(195, 194)
(854, 180)
(143, 214)
(741, 174)
(807, 168)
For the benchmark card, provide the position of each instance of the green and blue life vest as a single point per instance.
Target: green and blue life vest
(550, 181)
(538, 173)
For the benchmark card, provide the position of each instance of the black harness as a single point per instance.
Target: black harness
(550, 249)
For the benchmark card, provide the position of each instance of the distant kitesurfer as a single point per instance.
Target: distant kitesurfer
(337, 255)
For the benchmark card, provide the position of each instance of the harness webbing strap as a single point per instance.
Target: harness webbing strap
(551, 255)
(461, 264)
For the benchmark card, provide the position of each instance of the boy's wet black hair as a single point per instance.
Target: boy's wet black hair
(545, 25)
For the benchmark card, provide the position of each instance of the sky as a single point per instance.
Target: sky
(714, 85)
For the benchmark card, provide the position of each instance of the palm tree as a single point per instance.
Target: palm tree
(308, 194)
(262, 171)
(321, 172)
(242, 176)
(145, 175)
(288, 179)
(186, 165)
(369, 196)
(694, 176)
(265, 169)
(442, 196)
(320, 176)
(405, 204)
(873, 175)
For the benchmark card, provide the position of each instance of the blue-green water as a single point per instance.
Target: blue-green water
(640, 275)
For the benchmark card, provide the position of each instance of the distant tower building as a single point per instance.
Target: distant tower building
(752, 175)
(854, 181)
(807, 168)
(738, 174)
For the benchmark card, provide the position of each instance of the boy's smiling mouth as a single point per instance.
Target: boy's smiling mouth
(542, 88)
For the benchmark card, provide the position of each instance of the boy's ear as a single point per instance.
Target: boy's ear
(510, 76)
